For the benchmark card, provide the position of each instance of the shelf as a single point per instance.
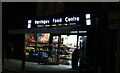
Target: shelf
(31, 41)
(29, 49)
(42, 42)
(55, 42)
(39, 46)
(55, 47)
(42, 46)
(63, 56)
(43, 51)
(30, 46)
(72, 47)
(66, 58)
(69, 52)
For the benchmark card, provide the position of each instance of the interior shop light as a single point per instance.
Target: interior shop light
(82, 31)
(73, 31)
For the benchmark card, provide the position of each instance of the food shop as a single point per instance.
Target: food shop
(52, 40)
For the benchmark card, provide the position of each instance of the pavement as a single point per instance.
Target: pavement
(14, 66)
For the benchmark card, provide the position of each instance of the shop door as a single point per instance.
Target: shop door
(82, 39)
(54, 52)
(64, 45)
(81, 44)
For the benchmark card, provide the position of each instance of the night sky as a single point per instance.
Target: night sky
(14, 14)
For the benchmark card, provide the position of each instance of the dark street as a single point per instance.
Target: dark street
(30, 67)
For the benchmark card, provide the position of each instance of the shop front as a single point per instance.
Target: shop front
(54, 39)
(51, 48)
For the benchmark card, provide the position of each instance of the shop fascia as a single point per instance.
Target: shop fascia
(59, 20)
(65, 21)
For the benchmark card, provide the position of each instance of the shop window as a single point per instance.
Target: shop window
(43, 37)
(69, 41)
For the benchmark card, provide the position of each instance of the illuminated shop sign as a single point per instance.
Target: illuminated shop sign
(58, 20)
(88, 20)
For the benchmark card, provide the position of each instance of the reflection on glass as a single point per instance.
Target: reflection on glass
(82, 41)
